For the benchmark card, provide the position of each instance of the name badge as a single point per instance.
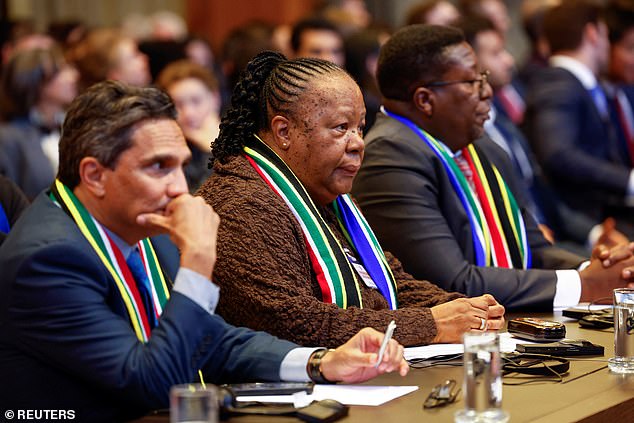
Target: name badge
(365, 277)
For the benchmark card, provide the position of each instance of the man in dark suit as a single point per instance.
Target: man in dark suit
(90, 320)
(567, 118)
(620, 84)
(415, 184)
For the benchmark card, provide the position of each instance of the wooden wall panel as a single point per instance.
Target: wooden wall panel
(215, 18)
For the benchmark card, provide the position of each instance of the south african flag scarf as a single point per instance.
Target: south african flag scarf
(497, 226)
(337, 280)
(112, 259)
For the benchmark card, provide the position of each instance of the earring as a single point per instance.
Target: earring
(284, 144)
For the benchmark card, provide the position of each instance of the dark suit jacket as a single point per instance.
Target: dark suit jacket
(577, 149)
(567, 224)
(407, 197)
(66, 341)
(12, 201)
(628, 90)
(22, 158)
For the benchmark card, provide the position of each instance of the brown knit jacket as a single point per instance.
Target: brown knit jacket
(267, 282)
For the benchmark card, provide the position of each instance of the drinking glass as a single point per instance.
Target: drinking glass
(623, 360)
(193, 403)
(482, 387)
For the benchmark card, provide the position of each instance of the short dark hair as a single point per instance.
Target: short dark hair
(619, 15)
(101, 121)
(24, 77)
(471, 7)
(359, 46)
(474, 25)
(241, 45)
(271, 84)
(415, 54)
(308, 24)
(564, 23)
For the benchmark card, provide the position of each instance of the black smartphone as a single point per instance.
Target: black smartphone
(564, 348)
(579, 313)
(323, 411)
(270, 388)
(535, 329)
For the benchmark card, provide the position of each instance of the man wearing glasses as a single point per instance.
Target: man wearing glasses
(447, 206)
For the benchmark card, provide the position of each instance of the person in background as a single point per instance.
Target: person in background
(296, 257)
(362, 52)
(494, 10)
(348, 15)
(12, 203)
(556, 221)
(620, 74)
(568, 122)
(240, 46)
(449, 206)
(509, 99)
(20, 34)
(67, 33)
(532, 15)
(434, 12)
(106, 299)
(106, 53)
(37, 87)
(318, 38)
(196, 95)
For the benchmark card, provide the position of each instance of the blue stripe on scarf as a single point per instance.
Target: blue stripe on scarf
(365, 251)
(4, 222)
(480, 256)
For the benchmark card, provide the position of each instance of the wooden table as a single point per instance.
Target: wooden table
(600, 396)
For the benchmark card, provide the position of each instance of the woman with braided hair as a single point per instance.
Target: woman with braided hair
(296, 258)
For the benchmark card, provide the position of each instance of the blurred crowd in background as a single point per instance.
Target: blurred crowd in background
(43, 71)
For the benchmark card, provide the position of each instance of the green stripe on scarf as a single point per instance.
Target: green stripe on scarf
(337, 279)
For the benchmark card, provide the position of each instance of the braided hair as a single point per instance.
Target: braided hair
(270, 85)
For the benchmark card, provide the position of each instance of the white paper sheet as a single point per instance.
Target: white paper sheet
(507, 344)
(345, 394)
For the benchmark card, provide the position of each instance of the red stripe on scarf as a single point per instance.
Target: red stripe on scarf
(319, 272)
(131, 283)
(496, 235)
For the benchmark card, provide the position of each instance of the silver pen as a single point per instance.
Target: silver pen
(388, 335)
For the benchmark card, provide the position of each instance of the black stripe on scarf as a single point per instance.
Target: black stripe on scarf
(340, 257)
(498, 200)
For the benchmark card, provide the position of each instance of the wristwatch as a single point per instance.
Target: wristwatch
(313, 367)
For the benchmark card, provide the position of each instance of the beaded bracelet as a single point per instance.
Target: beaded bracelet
(313, 367)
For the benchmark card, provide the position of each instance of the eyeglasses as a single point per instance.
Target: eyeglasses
(481, 80)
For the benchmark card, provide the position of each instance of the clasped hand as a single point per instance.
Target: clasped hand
(456, 317)
(609, 268)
